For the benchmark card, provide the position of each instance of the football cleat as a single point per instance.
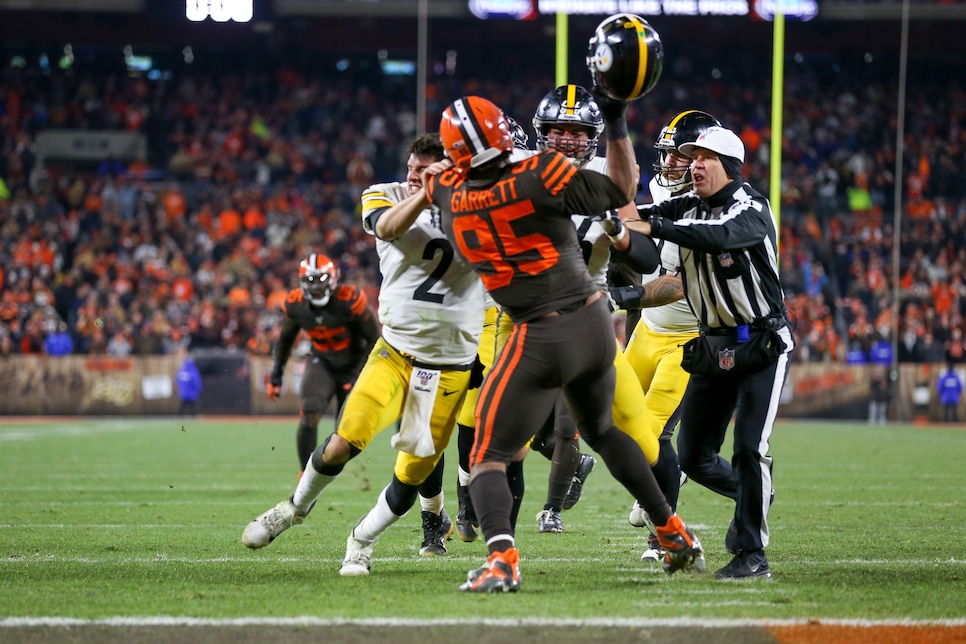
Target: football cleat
(500, 574)
(550, 521)
(265, 527)
(436, 530)
(654, 550)
(466, 522)
(358, 557)
(681, 546)
(748, 564)
(637, 516)
(584, 468)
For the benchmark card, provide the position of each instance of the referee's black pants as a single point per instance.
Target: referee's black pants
(706, 411)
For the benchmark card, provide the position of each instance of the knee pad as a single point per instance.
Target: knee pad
(401, 497)
(310, 420)
(331, 470)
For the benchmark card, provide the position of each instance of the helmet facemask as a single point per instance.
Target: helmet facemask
(666, 166)
(569, 105)
(318, 278)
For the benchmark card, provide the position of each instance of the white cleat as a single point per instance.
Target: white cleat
(265, 527)
(636, 517)
(358, 557)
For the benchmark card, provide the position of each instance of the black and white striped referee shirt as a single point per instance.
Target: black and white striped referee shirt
(729, 254)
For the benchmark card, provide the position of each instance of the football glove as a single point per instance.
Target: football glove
(611, 109)
(476, 374)
(612, 225)
(627, 297)
(274, 385)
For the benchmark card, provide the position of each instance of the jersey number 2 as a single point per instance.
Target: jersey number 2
(423, 290)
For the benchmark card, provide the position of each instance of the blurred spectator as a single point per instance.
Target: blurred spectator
(59, 343)
(189, 383)
(950, 388)
(880, 395)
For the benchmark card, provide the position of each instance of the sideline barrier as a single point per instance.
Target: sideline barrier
(234, 384)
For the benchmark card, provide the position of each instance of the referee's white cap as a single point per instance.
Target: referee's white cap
(719, 140)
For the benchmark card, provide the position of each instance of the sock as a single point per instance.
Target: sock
(310, 487)
(563, 467)
(376, 521)
(667, 472)
(465, 436)
(514, 476)
(434, 504)
(462, 477)
(626, 462)
(433, 484)
(492, 501)
(306, 439)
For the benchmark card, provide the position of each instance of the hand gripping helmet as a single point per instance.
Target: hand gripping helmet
(625, 57)
(474, 131)
(569, 105)
(318, 278)
(518, 134)
(686, 127)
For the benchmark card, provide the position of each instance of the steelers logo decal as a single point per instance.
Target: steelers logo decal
(603, 57)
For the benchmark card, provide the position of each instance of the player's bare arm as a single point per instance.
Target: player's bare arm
(663, 290)
(399, 218)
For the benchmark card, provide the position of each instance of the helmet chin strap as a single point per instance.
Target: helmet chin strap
(323, 301)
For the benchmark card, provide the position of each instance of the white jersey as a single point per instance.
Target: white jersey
(593, 242)
(675, 317)
(431, 302)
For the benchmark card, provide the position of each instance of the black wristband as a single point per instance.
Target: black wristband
(616, 129)
(657, 223)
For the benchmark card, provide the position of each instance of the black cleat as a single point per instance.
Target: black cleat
(748, 564)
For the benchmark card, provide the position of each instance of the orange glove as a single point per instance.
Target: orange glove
(273, 385)
(273, 391)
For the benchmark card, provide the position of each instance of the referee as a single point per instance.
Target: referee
(729, 266)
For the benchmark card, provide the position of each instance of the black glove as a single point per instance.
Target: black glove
(611, 223)
(627, 297)
(476, 373)
(611, 109)
(275, 378)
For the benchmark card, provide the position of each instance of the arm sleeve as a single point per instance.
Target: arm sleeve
(642, 256)
(592, 193)
(742, 225)
(286, 339)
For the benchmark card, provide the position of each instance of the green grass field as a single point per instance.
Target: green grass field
(142, 518)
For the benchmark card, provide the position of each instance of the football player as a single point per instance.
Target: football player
(342, 330)
(570, 120)
(654, 349)
(431, 307)
(562, 338)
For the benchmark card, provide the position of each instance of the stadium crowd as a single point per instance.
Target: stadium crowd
(252, 166)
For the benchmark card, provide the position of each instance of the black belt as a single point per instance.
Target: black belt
(419, 364)
(772, 323)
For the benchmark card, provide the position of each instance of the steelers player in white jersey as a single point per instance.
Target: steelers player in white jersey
(666, 322)
(431, 307)
(570, 120)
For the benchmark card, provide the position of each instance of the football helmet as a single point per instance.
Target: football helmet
(474, 131)
(685, 127)
(518, 134)
(625, 57)
(318, 278)
(569, 105)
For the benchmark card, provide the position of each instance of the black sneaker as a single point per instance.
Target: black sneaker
(584, 468)
(731, 536)
(466, 522)
(436, 529)
(748, 564)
